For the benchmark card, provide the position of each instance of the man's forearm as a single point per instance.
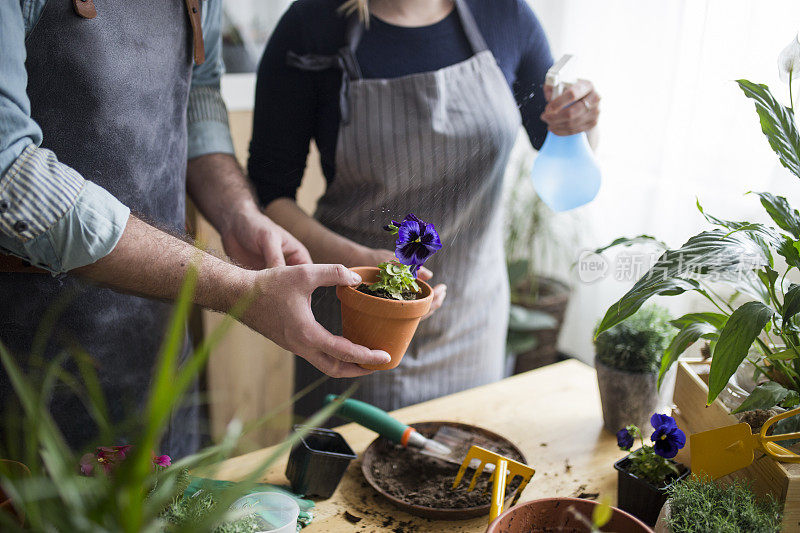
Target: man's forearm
(219, 188)
(153, 263)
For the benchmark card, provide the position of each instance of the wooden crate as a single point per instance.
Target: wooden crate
(767, 476)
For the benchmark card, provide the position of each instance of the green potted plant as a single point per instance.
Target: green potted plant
(125, 487)
(645, 474)
(697, 505)
(535, 241)
(384, 311)
(742, 256)
(627, 359)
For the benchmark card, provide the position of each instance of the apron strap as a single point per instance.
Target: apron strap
(345, 57)
(470, 27)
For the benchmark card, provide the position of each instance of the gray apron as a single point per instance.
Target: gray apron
(434, 144)
(110, 94)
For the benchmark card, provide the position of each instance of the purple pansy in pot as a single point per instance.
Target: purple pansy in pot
(416, 241)
(667, 438)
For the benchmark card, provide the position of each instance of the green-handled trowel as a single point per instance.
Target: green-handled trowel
(442, 446)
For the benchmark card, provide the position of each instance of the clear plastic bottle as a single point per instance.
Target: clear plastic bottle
(565, 173)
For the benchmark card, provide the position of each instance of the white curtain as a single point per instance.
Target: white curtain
(674, 125)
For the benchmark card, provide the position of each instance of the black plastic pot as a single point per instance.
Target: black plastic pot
(638, 496)
(318, 462)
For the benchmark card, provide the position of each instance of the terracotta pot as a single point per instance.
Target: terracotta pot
(378, 323)
(15, 469)
(555, 514)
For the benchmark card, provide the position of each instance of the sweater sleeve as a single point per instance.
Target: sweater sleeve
(284, 114)
(534, 62)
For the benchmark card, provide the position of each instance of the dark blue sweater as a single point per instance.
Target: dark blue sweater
(293, 106)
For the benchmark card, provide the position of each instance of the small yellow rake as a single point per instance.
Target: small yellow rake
(505, 470)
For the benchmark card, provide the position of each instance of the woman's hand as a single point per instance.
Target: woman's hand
(577, 109)
(373, 257)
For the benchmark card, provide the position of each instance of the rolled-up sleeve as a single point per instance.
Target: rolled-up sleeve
(207, 116)
(52, 217)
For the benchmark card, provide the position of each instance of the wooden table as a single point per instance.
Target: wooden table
(553, 415)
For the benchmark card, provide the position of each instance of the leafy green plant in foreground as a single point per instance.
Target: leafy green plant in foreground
(740, 255)
(700, 505)
(135, 497)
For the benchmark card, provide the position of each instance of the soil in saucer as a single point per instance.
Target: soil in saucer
(385, 295)
(421, 480)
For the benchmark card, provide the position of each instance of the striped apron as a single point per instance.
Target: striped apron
(110, 94)
(435, 144)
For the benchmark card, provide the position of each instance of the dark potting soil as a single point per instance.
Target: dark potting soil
(421, 480)
(385, 295)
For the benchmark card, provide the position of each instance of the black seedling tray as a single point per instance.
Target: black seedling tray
(317, 464)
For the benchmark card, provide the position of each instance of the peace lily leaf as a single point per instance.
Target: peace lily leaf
(715, 319)
(791, 304)
(789, 249)
(711, 252)
(739, 333)
(783, 355)
(764, 396)
(777, 123)
(692, 327)
(629, 241)
(781, 212)
(762, 235)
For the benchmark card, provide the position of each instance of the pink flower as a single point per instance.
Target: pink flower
(162, 460)
(122, 451)
(87, 464)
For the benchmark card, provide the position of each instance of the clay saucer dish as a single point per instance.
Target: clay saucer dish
(376, 453)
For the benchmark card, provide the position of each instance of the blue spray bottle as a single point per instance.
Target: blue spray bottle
(565, 173)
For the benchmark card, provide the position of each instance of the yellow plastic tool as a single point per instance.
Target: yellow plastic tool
(505, 470)
(719, 452)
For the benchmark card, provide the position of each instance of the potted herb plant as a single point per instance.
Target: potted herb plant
(383, 312)
(742, 256)
(536, 240)
(697, 505)
(627, 359)
(645, 474)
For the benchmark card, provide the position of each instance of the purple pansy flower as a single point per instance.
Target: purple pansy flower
(624, 439)
(416, 241)
(667, 438)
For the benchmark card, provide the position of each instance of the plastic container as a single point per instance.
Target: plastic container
(637, 496)
(317, 464)
(565, 173)
(276, 512)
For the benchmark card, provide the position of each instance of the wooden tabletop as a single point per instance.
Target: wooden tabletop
(553, 414)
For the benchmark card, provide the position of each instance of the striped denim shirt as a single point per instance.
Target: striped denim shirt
(50, 215)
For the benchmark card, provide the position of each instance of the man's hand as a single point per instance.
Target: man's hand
(255, 242)
(373, 257)
(151, 263)
(575, 110)
(281, 311)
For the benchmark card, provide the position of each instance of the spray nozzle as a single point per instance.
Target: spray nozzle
(555, 78)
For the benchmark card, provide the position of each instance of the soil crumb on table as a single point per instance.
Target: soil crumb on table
(353, 519)
(421, 480)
